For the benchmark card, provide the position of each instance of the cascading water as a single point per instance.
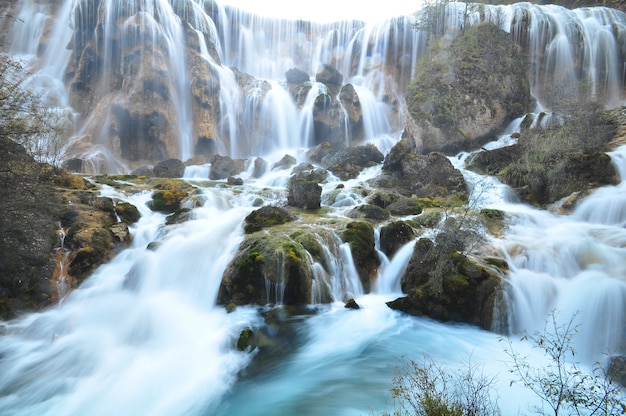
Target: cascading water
(143, 334)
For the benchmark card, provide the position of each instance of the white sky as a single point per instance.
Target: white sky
(328, 10)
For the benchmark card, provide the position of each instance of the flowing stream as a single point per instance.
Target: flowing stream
(144, 336)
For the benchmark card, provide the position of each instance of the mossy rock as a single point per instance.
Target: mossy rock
(127, 212)
(265, 217)
(360, 236)
(369, 212)
(448, 286)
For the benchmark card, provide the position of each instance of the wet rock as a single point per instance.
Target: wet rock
(329, 121)
(351, 304)
(233, 181)
(169, 168)
(308, 172)
(268, 269)
(468, 93)
(222, 167)
(317, 153)
(127, 212)
(423, 176)
(120, 232)
(360, 236)
(143, 171)
(286, 162)
(168, 196)
(348, 163)
(395, 203)
(368, 212)
(448, 286)
(266, 216)
(331, 77)
(395, 235)
(260, 167)
(304, 194)
(351, 102)
(296, 76)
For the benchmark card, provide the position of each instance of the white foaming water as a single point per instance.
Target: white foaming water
(143, 334)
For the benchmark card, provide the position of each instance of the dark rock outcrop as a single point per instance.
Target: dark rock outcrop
(304, 194)
(224, 166)
(348, 163)
(393, 236)
(424, 176)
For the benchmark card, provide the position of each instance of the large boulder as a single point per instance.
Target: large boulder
(169, 168)
(446, 285)
(424, 176)
(303, 193)
(348, 163)
(330, 77)
(468, 91)
(360, 236)
(394, 235)
(264, 217)
(281, 267)
(224, 166)
(329, 121)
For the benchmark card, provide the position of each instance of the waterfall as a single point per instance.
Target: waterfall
(152, 79)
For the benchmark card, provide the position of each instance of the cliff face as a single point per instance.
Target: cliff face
(143, 77)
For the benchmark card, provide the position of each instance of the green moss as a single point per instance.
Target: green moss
(264, 217)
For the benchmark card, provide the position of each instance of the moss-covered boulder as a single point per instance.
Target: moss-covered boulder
(368, 212)
(360, 236)
(467, 91)
(266, 216)
(395, 203)
(267, 270)
(449, 286)
(128, 213)
(168, 196)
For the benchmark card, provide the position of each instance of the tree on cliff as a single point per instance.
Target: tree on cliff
(26, 117)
